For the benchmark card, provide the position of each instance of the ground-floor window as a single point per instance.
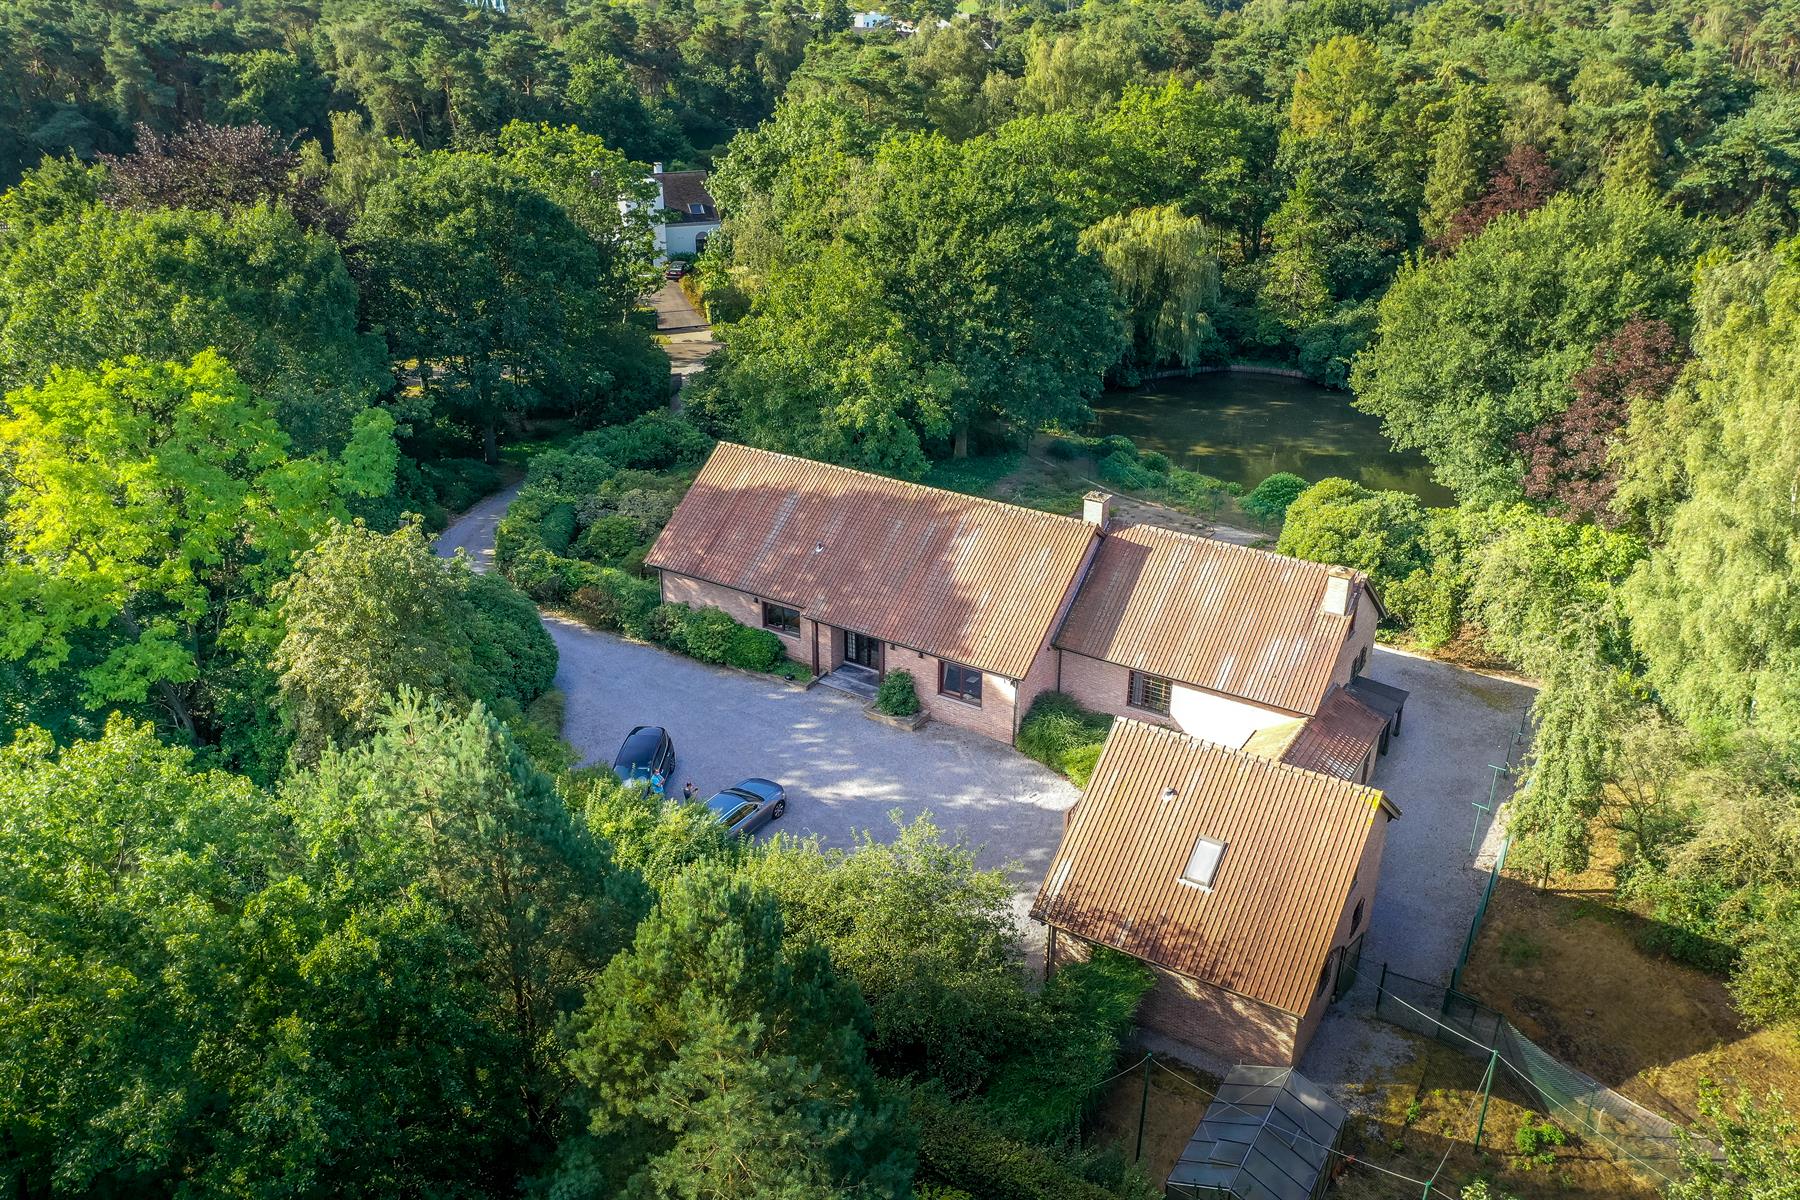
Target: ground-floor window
(781, 619)
(964, 683)
(1149, 692)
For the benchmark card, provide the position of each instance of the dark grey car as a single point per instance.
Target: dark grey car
(646, 751)
(746, 807)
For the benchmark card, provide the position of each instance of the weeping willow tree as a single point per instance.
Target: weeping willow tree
(1165, 270)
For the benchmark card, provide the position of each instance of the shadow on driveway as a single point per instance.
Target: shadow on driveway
(843, 771)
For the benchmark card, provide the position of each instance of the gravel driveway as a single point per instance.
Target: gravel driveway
(1456, 723)
(843, 771)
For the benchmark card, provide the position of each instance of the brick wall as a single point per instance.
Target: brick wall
(1362, 637)
(1368, 874)
(1103, 687)
(741, 606)
(994, 717)
(1236, 1028)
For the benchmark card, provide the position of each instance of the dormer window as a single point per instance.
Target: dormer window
(1203, 864)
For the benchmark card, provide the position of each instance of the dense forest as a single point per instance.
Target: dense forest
(298, 893)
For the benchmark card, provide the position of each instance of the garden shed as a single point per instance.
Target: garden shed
(1268, 1135)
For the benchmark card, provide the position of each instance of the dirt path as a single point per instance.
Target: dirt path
(684, 334)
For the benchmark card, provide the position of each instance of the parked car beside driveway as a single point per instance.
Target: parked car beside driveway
(746, 807)
(647, 750)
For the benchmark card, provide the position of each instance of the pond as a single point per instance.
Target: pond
(1242, 427)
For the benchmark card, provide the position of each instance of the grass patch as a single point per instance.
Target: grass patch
(974, 476)
(1593, 996)
(1064, 736)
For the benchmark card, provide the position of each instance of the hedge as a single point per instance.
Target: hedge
(1081, 1017)
(960, 1147)
(1063, 736)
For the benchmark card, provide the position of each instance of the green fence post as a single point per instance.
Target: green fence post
(1487, 1088)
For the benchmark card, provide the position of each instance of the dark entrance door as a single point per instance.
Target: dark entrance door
(862, 650)
(1347, 965)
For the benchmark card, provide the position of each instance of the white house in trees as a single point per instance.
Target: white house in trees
(686, 210)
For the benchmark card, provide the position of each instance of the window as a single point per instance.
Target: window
(1357, 916)
(737, 815)
(964, 683)
(1362, 660)
(781, 619)
(1149, 692)
(1325, 974)
(1203, 864)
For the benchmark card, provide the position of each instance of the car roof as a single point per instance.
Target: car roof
(730, 800)
(641, 741)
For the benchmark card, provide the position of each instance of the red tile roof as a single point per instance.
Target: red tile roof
(1337, 739)
(958, 577)
(1293, 841)
(683, 189)
(1210, 614)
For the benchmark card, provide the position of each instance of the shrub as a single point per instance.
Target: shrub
(567, 473)
(610, 540)
(1079, 1019)
(898, 696)
(1066, 448)
(655, 441)
(1270, 498)
(611, 599)
(1078, 764)
(1200, 493)
(1124, 472)
(959, 1147)
(556, 528)
(539, 574)
(1117, 443)
(1154, 461)
(754, 649)
(457, 483)
(707, 634)
(514, 658)
(1060, 733)
(538, 731)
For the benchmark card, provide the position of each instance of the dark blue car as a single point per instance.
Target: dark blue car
(647, 750)
(746, 807)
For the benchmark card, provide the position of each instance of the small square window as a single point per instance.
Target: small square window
(963, 683)
(1149, 692)
(1203, 863)
(781, 619)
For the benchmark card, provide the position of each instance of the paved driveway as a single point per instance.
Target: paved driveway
(1456, 723)
(843, 771)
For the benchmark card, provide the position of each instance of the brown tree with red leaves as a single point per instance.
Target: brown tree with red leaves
(1524, 180)
(214, 168)
(1568, 465)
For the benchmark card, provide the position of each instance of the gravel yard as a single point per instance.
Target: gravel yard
(843, 771)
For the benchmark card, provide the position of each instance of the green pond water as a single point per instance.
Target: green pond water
(1243, 427)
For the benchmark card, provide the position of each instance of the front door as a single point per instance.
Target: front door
(1347, 965)
(862, 650)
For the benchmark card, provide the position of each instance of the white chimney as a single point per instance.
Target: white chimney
(1337, 593)
(1096, 509)
(656, 168)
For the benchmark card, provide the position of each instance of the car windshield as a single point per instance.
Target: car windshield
(640, 748)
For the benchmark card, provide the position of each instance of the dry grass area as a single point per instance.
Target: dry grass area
(1422, 1119)
(1426, 1116)
(1178, 1098)
(1567, 967)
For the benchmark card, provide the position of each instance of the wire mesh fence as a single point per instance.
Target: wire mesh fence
(1580, 1103)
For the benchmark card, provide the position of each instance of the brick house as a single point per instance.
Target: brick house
(860, 575)
(1245, 884)
(988, 604)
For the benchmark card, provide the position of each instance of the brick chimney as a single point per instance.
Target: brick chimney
(1337, 592)
(1096, 509)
